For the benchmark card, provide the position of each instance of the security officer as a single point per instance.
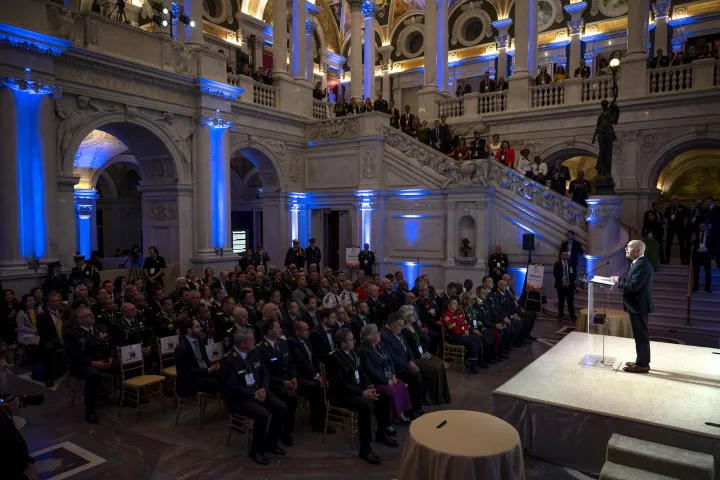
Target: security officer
(313, 254)
(90, 353)
(295, 255)
(366, 259)
(283, 377)
(130, 329)
(82, 271)
(246, 385)
(498, 264)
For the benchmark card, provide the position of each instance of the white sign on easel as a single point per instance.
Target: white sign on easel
(351, 257)
(534, 278)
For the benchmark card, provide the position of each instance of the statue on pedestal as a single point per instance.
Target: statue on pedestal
(465, 249)
(605, 134)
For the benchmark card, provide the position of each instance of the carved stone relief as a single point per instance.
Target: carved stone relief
(160, 212)
(334, 128)
(368, 163)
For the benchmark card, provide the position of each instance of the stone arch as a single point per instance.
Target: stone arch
(660, 153)
(700, 160)
(161, 162)
(563, 152)
(113, 193)
(122, 158)
(269, 159)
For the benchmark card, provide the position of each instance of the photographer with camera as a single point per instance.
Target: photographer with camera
(153, 268)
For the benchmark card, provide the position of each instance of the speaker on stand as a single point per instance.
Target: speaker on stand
(529, 245)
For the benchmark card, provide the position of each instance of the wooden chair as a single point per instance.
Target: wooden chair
(241, 424)
(200, 399)
(342, 417)
(132, 362)
(452, 353)
(166, 349)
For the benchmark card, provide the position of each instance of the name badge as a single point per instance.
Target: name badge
(273, 359)
(432, 311)
(474, 323)
(420, 350)
(152, 271)
(250, 380)
(498, 264)
(672, 217)
(649, 235)
(571, 270)
(357, 376)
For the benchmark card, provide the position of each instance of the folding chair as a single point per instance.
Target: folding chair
(131, 363)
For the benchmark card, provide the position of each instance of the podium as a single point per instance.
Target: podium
(595, 357)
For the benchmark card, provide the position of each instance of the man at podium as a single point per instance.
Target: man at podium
(638, 302)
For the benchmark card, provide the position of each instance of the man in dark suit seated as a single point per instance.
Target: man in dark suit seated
(321, 337)
(49, 326)
(283, 378)
(638, 302)
(309, 380)
(246, 384)
(350, 388)
(565, 277)
(195, 373)
(404, 360)
(361, 319)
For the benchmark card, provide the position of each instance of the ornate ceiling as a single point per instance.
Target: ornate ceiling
(97, 148)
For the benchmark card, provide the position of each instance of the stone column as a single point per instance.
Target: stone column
(65, 215)
(194, 10)
(661, 10)
(298, 61)
(442, 45)
(368, 13)
(309, 60)
(356, 21)
(503, 43)
(275, 226)
(386, 52)
(604, 237)
(576, 26)
(257, 51)
(86, 221)
(9, 195)
(634, 65)
(280, 38)
(525, 51)
(431, 47)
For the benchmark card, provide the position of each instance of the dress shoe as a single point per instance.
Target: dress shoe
(402, 422)
(389, 441)
(49, 383)
(274, 449)
(391, 432)
(632, 364)
(370, 456)
(259, 458)
(636, 369)
(287, 440)
(531, 338)
(328, 430)
(483, 365)
(474, 369)
(91, 417)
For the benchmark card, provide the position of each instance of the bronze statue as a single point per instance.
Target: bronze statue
(605, 133)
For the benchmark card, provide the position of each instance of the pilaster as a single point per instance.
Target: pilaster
(575, 25)
(86, 221)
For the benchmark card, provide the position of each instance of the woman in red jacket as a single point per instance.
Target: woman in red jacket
(506, 154)
(458, 333)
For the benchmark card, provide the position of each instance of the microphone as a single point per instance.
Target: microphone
(584, 277)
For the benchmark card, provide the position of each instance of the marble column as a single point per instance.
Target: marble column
(257, 51)
(525, 52)
(86, 220)
(386, 52)
(604, 237)
(276, 234)
(194, 10)
(280, 50)
(309, 60)
(575, 25)
(368, 12)
(430, 81)
(298, 61)
(503, 43)
(356, 21)
(661, 10)
(211, 171)
(442, 45)
(634, 65)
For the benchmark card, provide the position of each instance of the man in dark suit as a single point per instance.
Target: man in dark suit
(477, 146)
(565, 277)
(380, 105)
(313, 254)
(308, 379)
(463, 88)
(49, 326)
(573, 249)
(321, 337)
(366, 259)
(437, 136)
(246, 384)
(659, 60)
(638, 302)
(583, 70)
(487, 84)
(559, 175)
(406, 120)
(404, 360)
(394, 115)
(702, 253)
(195, 373)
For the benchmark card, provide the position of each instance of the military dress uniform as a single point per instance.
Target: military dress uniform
(456, 330)
(242, 376)
(313, 255)
(295, 256)
(514, 328)
(378, 311)
(367, 260)
(487, 353)
(107, 319)
(83, 347)
(124, 332)
(489, 319)
(166, 324)
(230, 333)
(88, 271)
(498, 261)
(280, 368)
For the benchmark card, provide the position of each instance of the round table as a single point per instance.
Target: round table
(618, 323)
(469, 445)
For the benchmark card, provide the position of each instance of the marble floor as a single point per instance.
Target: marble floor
(154, 448)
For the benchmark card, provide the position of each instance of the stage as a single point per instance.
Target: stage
(566, 412)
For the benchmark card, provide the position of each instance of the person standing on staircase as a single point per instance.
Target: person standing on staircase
(676, 218)
(702, 248)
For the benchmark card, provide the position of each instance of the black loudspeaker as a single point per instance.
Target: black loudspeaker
(529, 241)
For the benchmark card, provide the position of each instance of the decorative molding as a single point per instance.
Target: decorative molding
(661, 8)
(215, 122)
(334, 128)
(471, 10)
(619, 8)
(31, 86)
(414, 205)
(424, 155)
(83, 209)
(215, 92)
(503, 41)
(160, 212)
(412, 25)
(575, 26)
(368, 9)
(182, 59)
(368, 164)
(555, 16)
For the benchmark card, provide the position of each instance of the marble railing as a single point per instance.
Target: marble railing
(415, 149)
(255, 92)
(322, 109)
(669, 79)
(450, 108)
(597, 88)
(492, 102)
(550, 95)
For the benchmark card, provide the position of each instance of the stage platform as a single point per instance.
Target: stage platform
(566, 412)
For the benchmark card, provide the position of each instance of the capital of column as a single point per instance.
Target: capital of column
(503, 41)
(28, 85)
(386, 51)
(309, 27)
(503, 25)
(216, 121)
(355, 5)
(85, 202)
(368, 9)
(575, 9)
(661, 9)
(575, 27)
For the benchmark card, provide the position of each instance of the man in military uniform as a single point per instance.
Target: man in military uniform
(295, 255)
(513, 326)
(246, 384)
(492, 320)
(260, 287)
(378, 310)
(240, 321)
(313, 254)
(90, 353)
(526, 317)
(498, 264)
(130, 329)
(166, 323)
(222, 320)
(366, 259)
(183, 304)
(82, 271)
(109, 313)
(283, 377)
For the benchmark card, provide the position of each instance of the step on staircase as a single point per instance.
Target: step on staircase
(633, 459)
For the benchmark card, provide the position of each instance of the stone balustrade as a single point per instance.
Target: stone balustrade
(550, 95)
(597, 88)
(450, 108)
(322, 109)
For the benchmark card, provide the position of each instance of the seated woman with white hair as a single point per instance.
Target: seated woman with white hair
(432, 369)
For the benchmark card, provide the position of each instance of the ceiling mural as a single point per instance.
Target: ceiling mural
(96, 149)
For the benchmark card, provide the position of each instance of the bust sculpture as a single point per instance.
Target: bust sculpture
(465, 249)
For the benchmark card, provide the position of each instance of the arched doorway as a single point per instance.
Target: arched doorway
(576, 159)
(691, 175)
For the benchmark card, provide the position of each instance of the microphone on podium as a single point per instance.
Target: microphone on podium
(584, 277)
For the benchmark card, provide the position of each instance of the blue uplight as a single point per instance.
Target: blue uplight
(410, 216)
(411, 272)
(218, 185)
(30, 176)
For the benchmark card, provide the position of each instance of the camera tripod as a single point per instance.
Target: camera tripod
(135, 268)
(119, 11)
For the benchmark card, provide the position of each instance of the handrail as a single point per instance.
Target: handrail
(689, 294)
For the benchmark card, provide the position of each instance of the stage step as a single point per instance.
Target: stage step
(659, 459)
(613, 471)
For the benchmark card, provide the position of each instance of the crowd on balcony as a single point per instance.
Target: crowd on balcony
(660, 60)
